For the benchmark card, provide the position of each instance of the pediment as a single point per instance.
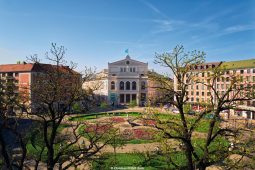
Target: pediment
(128, 61)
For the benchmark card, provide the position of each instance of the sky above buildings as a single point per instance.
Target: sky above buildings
(96, 32)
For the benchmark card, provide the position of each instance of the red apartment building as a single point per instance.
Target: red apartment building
(24, 76)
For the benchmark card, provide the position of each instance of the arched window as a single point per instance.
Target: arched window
(112, 85)
(127, 85)
(133, 85)
(143, 85)
(121, 85)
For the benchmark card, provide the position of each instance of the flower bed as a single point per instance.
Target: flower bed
(144, 134)
(99, 129)
(117, 119)
(149, 122)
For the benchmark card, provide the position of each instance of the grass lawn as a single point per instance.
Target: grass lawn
(98, 115)
(137, 160)
(157, 161)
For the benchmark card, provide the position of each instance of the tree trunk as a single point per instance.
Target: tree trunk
(190, 160)
(50, 162)
(4, 152)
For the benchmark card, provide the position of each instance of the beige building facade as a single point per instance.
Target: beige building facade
(243, 69)
(127, 81)
(123, 82)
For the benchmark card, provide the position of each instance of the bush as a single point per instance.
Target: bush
(132, 104)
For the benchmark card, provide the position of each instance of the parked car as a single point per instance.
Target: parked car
(211, 116)
(191, 112)
(166, 106)
(175, 111)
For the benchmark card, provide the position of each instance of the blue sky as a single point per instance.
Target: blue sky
(96, 32)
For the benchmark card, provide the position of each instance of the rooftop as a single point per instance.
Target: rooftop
(239, 64)
(33, 67)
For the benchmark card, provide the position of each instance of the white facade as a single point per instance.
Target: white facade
(127, 81)
(124, 81)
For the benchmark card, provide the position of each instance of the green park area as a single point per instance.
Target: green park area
(155, 159)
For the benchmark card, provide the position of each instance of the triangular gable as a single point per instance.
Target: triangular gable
(123, 62)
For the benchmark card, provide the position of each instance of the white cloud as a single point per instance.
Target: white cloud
(239, 28)
(153, 8)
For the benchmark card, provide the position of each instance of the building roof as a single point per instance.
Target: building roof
(239, 64)
(128, 58)
(34, 67)
(16, 67)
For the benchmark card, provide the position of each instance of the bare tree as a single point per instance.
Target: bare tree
(12, 154)
(55, 89)
(184, 67)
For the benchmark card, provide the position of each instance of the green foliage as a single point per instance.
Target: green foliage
(186, 108)
(132, 104)
(103, 105)
(76, 107)
(148, 162)
(98, 115)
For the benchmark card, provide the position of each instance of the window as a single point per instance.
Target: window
(121, 98)
(127, 62)
(197, 93)
(197, 99)
(143, 85)
(222, 86)
(121, 69)
(133, 69)
(192, 99)
(130, 69)
(112, 85)
(16, 74)
(124, 69)
(192, 93)
(133, 85)
(227, 79)
(203, 74)
(197, 87)
(253, 78)
(133, 97)
(113, 74)
(241, 71)
(121, 85)
(127, 85)
(253, 71)
(248, 71)
(127, 98)
(208, 93)
(203, 93)
(247, 78)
